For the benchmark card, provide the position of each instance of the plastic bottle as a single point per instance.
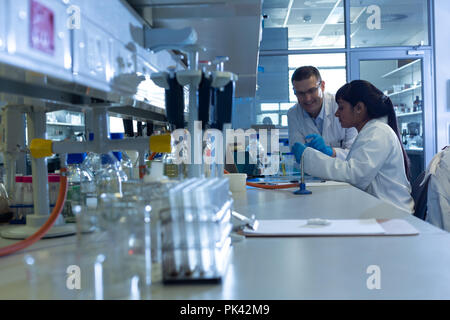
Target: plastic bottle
(76, 176)
(175, 162)
(107, 171)
(125, 161)
(417, 104)
(404, 137)
(109, 177)
(256, 154)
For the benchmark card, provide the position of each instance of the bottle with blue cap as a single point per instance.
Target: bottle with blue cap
(125, 162)
(93, 160)
(107, 171)
(80, 186)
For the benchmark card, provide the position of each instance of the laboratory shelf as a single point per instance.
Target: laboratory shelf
(64, 124)
(405, 90)
(418, 151)
(408, 114)
(403, 70)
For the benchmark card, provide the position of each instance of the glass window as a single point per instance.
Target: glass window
(267, 118)
(116, 124)
(331, 67)
(377, 23)
(320, 24)
(401, 81)
(270, 95)
(309, 24)
(270, 106)
(285, 106)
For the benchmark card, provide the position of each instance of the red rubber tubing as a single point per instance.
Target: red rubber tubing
(47, 225)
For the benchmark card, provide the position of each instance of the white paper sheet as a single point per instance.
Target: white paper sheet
(301, 228)
(326, 183)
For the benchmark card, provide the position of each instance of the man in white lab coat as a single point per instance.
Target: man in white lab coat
(438, 211)
(315, 114)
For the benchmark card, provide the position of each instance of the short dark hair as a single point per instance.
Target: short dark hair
(304, 73)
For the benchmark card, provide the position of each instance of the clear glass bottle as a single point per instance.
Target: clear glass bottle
(128, 166)
(124, 220)
(175, 162)
(107, 177)
(110, 176)
(125, 166)
(80, 187)
(125, 161)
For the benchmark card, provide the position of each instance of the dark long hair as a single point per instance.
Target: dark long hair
(378, 105)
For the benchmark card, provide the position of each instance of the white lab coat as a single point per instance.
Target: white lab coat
(438, 197)
(374, 164)
(334, 135)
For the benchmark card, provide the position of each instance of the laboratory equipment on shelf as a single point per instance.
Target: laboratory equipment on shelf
(41, 231)
(41, 148)
(204, 86)
(174, 97)
(36, 123)
(205, 91)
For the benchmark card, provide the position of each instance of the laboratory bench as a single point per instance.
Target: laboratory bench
(332, 267)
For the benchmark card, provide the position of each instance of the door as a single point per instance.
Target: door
(406, 77)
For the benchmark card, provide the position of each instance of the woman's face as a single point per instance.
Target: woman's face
(346, 114)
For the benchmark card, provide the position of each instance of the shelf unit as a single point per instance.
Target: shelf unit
(403, 70)
(408, 114)
(410, 123)
(64, 124)
(405, 90)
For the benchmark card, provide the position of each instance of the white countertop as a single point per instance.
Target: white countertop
(411, 267)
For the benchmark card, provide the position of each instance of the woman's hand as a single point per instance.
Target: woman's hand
(319, 144)
(298, 149)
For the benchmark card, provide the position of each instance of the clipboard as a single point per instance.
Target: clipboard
(338, 227)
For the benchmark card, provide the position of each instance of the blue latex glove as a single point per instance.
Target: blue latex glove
(297, 150)
(319, 144)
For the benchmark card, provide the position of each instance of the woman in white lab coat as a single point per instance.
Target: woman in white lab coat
(438, 196)
(376, 162)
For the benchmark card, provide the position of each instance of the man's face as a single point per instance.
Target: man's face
(309, 93)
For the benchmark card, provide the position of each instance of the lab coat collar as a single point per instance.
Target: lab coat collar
(321, 114)
(382, 120)
(327, 108)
